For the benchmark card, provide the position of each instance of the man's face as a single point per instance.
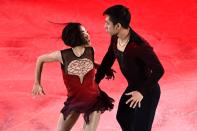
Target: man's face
(109, 26)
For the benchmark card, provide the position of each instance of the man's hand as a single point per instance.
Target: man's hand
(110, 74)
(135, 99)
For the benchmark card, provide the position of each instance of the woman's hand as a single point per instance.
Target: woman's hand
(37, 90)
(136, 98)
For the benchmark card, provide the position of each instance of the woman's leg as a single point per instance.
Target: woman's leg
(93, 123)
(67, 124)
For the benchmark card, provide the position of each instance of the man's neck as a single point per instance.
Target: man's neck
(123, 34)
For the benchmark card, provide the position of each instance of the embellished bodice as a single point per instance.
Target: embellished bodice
(79, 72)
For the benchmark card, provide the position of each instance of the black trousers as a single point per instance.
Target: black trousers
(138, 119)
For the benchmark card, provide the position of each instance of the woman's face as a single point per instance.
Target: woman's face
(85, 34)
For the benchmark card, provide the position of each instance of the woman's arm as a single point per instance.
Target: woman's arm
(51, 57)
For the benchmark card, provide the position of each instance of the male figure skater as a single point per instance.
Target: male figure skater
(140, 67)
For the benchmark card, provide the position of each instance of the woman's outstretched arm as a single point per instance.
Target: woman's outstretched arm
(51, 57)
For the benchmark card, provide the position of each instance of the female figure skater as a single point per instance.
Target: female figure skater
(78, 69)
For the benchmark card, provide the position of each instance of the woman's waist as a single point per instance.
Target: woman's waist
(84, 97)
(83, 91)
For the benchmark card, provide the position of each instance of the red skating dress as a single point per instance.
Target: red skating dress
(84, 95)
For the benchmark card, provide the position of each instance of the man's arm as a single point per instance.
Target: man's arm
(148, 56)
(106, 64)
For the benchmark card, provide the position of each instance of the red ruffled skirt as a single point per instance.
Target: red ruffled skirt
(85, 97)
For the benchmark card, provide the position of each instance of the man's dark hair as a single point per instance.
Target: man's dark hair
(119, 14)
(72, 35)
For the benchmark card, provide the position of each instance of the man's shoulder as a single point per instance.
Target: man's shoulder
(114, 39)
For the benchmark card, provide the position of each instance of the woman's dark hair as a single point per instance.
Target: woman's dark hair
(73, 36)
(119, 14)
